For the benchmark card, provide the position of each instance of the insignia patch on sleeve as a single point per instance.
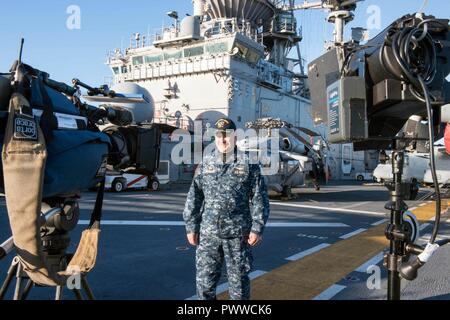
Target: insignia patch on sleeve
(25, 128)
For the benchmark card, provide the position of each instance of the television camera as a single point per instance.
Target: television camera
(365, 93)
(53, 150)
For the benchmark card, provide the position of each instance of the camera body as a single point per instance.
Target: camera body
(366, 93)
(78, 151)
(62, 152)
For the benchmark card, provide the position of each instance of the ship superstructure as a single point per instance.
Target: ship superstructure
(233, 58)
(230, 58)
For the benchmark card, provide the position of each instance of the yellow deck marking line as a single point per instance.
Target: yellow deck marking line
(306, 278)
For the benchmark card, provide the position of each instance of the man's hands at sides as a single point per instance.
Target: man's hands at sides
(193, 239)
(253, 239)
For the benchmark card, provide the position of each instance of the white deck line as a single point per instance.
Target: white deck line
(330, 292)
(305, 253)
(351, 234)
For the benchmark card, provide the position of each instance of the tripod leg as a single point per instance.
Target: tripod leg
(27, 289)
(394, 280)
(86, 288)
(395, 230)
(10, 275)
(18, 290)
(77, 294)
(394, 285)
(59, 293)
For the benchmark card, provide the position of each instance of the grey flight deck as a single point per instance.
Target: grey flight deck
(143, 253)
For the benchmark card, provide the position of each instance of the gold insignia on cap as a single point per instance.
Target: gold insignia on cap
(222, 123)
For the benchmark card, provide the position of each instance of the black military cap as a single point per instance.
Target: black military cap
(224, 124)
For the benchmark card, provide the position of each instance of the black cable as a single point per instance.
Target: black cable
(401, 48)
(445, 26)
(432, 160)
(401, 44)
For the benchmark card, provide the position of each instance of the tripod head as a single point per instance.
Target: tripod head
(60, 216)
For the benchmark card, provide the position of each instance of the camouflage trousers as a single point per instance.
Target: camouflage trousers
(211, 254)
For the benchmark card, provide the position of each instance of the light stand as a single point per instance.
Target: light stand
(396, 231)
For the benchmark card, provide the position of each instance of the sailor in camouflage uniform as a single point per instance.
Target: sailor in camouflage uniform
(226, 210)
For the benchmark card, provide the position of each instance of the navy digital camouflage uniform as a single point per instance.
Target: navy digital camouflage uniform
(225, 203)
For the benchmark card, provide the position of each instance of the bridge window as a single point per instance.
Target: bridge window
(195, 51)
(154, 58)
(173, 55)
(217, 47)
(138, 60)
(247, 54)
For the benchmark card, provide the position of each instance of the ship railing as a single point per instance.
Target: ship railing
(177, 67)
(165, 34)
(138, 40)
(225, 26)
(114, 56)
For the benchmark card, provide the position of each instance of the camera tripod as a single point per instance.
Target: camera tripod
(21, 292)
(399, 232)
(396, 231)
(54, 246)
